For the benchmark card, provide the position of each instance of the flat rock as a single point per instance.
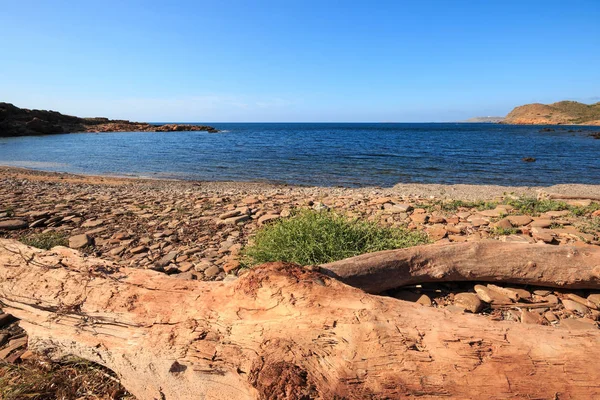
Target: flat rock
(93, 223)
(528, 317)
(491, 296)
(519, 220)
(212, 271)
(436, 232)
(13, 224)
(79, 241)
(582, 301)
(468, 301)
(230, 214)
(594, 298)
(138, 250)
(541, 223)
(574, 306)
(166, 259)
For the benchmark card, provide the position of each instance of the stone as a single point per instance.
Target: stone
(491, 296)
(556, 214)
(595, 299)
(541, 223)
(550, 316)
(400, 208)
(13, 224)
(436, 233)
(528, 317)
(419, 218)
(79, 241)
(581, 300)
(477, 222)
(237, 219)
(511, 294)
(571, 305)
(138, 250)
(468, 301)
(92, 223)
(166, 259)
(267, 218)
(212, 271)
(504, 223)
(38, 223)
(497, 212)
(519, 220)
(543, 235)
(424, 300)
(230, 214)
(117, 251)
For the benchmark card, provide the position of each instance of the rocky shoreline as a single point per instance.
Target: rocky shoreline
(197, 230)
(15, 121)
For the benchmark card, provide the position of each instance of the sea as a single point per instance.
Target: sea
(326, 154)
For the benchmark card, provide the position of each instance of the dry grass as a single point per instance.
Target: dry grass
(38, 379)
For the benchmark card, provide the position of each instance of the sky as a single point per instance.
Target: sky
(297, 61)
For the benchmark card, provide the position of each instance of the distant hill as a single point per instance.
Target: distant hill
(490, 120)
(15, 121)
(561, 113)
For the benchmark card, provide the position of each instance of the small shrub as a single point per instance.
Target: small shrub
(592, 226)
(46, 240)
(314, 237)
(579, 211)
(532, 206)
(454, 205)
(498, 231)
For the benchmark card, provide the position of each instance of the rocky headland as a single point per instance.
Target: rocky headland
(15, 121)
(560, 113)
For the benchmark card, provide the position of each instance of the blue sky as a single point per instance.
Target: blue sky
(287, 60)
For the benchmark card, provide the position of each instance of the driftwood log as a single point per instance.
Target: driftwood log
(281, 331)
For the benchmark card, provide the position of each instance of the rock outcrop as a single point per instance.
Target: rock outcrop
(561, 113)
(15, 121)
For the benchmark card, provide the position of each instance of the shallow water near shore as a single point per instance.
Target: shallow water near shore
(325, 154)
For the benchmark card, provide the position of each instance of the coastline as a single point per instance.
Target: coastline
(467, 192)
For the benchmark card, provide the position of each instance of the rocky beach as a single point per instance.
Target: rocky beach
(197, 230)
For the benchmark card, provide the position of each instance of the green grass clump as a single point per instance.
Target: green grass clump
(591, 226)
(579, 211)
(454, 205)
(532, 206)
(46, 240)
(499, 231)
(315, 237)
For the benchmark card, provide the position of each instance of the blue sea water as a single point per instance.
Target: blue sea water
(325, 154)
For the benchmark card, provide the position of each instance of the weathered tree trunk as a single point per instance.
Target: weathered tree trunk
(281, 332)
(491, 261)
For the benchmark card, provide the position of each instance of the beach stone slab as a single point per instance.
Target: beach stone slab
(468, 301)
(436, 232)
(79, 241)
(519, 220)
(594, 298)
(528, 317)
(267, 218)
(541, 223)
(583, 301)
(166, 259)
(92, 223)
(230, 214)
(138, 250)
(13, 224)
(497, 212)
(571, 305)
(212, 271)
(491, 296)
(504, 223)
(556, 214)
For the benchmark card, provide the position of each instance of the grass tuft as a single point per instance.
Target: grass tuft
(46, 240)
(314, 237)
(532, 206)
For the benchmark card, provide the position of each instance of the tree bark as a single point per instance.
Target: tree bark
(281, 332)
(566, 267)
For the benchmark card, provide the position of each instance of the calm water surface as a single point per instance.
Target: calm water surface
(325, 154)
